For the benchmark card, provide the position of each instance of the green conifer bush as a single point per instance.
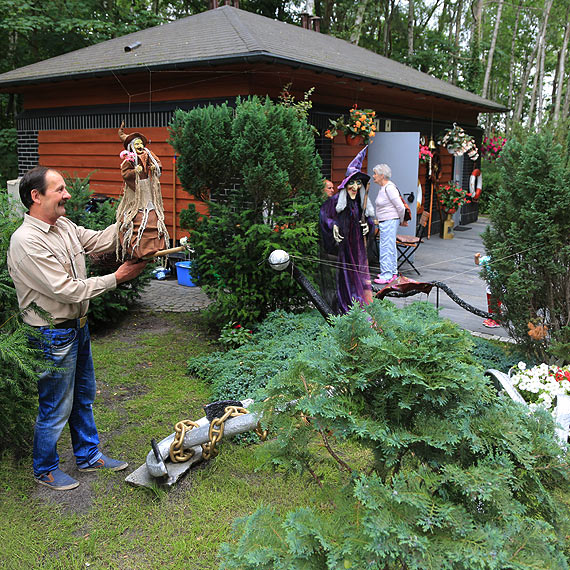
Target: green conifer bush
(456, 476)
(18, 361)
(529, 242)
(257, 168)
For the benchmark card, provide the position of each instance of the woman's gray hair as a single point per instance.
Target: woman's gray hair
(383, 170)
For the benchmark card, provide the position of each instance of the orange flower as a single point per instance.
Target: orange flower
(358, 123)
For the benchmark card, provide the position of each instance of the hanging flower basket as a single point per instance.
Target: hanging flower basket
(360, 123)
(458, 142)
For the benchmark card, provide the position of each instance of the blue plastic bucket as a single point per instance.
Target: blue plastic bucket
(183, 273)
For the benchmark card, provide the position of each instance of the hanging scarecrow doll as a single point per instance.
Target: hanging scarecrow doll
(343, 230)
(140, 216)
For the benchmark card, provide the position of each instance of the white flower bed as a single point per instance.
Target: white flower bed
(540, 385)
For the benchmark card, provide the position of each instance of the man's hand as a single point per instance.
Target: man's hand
(129, 270)
(365, 228)
(336, 234)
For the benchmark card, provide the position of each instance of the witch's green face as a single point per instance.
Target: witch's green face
(138, 145)
(353, 187)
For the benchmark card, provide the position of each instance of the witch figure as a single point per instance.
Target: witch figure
(343, 229)
(140, 215)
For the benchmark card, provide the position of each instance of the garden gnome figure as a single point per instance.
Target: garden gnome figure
(140, 216)
(343, 228)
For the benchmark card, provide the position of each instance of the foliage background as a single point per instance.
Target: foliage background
(489, 48)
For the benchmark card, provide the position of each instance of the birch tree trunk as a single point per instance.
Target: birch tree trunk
(522, 92)
(512, 60)
(561, 70)
(538, 94)
(566, 106)
(443, 16)
(492, 49)
(477, 11)
(534, 89)
(357, 29)
(388, 27)
(458, 15)
(410, 28)
(474, 71)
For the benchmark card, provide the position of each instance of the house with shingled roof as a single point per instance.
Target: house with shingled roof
(73, 104)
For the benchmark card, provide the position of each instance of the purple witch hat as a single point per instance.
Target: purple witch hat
(354, 170)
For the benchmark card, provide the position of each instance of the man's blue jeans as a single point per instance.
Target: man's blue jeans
(66, 395)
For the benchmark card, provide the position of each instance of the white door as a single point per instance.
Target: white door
(400, 151)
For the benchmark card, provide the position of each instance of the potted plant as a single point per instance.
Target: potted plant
(451, 197)
(359, 128)
(458, 142)
(425, 154)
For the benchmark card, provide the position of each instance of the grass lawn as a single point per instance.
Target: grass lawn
(104, 523)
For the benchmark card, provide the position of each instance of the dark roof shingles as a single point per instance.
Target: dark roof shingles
(230, 33)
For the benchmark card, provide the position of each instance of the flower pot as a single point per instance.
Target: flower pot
(448, 226)
(354, 140)
(455, 150)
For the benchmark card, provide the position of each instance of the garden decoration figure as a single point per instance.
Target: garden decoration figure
(493, 304)
(345, 219)
(140, 216)
(194, 441)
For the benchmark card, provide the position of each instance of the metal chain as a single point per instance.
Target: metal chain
(177, 454)
(215, 434)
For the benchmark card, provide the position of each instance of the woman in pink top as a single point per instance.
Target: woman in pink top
(389, 214)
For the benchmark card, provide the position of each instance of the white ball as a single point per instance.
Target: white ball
(279, 260)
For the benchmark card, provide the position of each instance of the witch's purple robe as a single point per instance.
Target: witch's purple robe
(352, 275)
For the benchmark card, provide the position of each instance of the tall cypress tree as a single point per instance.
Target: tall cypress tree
(257, 169)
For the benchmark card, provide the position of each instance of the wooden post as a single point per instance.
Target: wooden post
(174, 199)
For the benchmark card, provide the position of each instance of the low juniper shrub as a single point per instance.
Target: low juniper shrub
(455, 476)
(244, 372)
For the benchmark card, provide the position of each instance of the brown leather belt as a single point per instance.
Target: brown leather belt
(72, 323)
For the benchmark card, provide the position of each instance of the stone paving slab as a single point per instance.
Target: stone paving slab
(168, 296)
(450, 261)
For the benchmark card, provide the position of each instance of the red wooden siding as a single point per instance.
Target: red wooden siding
(230, 81)
(95, 152)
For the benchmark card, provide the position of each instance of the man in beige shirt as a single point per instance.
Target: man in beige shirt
(46, 260)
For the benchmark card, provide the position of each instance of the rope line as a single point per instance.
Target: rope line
(356, 269)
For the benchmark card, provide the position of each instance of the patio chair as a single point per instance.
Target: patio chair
(408, 245)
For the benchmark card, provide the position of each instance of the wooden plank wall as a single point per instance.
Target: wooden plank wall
(342, 155)
(95, 152)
